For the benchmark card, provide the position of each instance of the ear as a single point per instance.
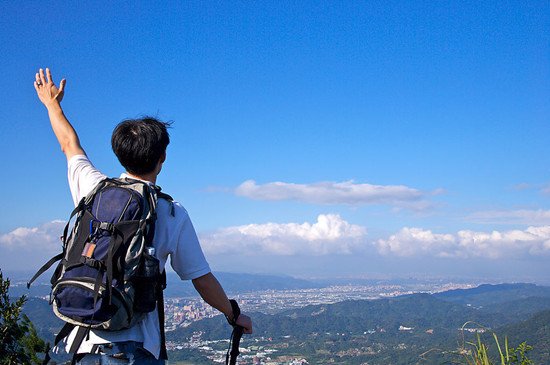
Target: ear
(163, 157)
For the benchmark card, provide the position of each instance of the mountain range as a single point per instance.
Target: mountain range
(400, 328)
(413, 324)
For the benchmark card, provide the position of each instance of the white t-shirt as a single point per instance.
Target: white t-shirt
(174, 237)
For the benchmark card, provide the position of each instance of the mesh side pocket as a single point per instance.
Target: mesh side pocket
(146, 284)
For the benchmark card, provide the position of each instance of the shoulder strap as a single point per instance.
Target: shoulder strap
(81, 333)
(45, 267)
(166, 197)
(64, 332)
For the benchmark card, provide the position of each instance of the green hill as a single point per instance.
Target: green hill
(518, 309)
(488, 294)
(535, 331)
(41, 314)
(392, 330)
(418, 311)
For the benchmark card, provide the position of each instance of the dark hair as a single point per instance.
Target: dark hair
(140, 143)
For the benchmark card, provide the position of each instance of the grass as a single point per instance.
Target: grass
(478, 353)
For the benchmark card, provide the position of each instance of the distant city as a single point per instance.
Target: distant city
(182, 312)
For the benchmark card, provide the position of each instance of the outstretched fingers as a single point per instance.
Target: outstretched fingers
(48, 75)
(62, 85)
(42, 78)
(36, 81)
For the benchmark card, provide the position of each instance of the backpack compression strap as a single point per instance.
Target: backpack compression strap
(44, 268)
(64, 332)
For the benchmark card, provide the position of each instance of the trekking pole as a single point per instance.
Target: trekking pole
(235, 341)
(233, 350)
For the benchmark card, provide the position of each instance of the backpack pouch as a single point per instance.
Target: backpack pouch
(74, 302)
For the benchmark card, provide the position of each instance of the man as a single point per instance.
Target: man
(140, 146)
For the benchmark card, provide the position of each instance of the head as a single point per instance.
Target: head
(140, 144)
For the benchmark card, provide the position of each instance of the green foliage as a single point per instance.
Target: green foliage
(536, 332)
(519, 354)
(19, 342)
(190, 356)
(479, 353)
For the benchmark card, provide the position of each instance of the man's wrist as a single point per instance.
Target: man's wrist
(235, 313)
(53, 106)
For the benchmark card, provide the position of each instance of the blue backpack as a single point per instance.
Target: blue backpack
(108, 276)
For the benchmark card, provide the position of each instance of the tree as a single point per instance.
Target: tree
(19, 342)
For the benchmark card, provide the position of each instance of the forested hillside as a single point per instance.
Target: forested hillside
(403, 329)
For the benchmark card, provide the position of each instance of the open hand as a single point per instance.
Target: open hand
(47, 91)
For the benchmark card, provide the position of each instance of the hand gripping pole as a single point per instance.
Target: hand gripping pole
(233, 350)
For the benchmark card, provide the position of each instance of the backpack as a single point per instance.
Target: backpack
(108, 277)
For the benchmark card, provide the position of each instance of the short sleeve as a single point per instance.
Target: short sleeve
(187, 259)
(83, 176)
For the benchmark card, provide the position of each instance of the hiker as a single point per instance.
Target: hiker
(140, 146)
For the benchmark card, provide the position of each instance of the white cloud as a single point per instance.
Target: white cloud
(346, 192)
(519, 216)
(415, 241)
(467, 244)
(329, 235)
(26, 248)
(45, 237)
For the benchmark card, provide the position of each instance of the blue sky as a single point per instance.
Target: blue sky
(309, 138)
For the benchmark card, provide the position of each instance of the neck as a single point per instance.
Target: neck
(151, 177)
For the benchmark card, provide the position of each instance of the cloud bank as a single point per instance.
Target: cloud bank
(333, 235)
(409, 242)
(26, 248)
(44, 238)
(330, 234)
(327, 193)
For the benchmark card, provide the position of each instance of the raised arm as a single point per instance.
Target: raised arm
(50, 95)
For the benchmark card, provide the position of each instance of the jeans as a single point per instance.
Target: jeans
(129, 353)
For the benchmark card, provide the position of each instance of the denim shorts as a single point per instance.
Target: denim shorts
(118, 353)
